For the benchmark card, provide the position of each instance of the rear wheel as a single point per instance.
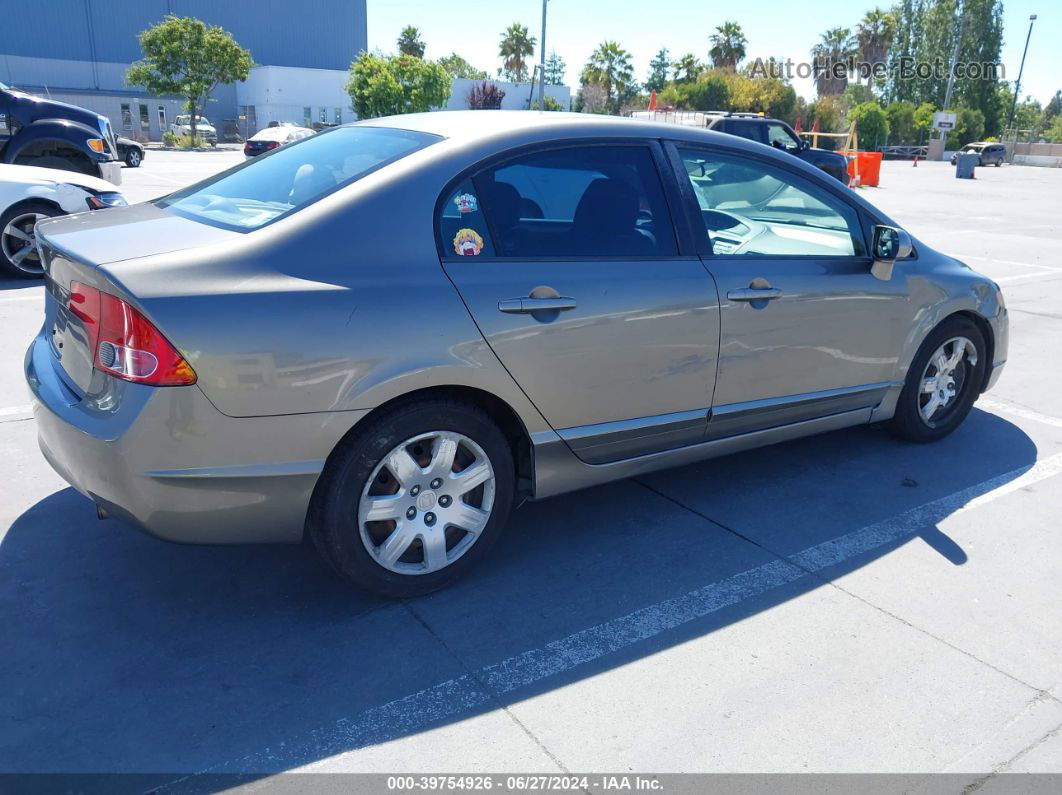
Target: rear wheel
(415, 499)
(133, 157)
(18, 243)
(942, 383)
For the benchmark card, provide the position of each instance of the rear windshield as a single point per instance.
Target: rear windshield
(293, 176)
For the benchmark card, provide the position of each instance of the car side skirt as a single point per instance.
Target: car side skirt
(558, 470)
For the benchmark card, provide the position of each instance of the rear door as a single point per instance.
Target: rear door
(806, 330)
(568, 260)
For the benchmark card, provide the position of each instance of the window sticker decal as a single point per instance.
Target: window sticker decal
(468, 243)
(466, 203)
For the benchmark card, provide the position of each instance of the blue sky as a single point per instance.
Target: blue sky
(783, 28)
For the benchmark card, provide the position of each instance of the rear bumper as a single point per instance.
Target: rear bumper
(166, 460)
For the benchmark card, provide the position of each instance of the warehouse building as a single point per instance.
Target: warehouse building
(78, 51)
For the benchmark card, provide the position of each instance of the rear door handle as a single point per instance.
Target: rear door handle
(525, 306)
(754, 294)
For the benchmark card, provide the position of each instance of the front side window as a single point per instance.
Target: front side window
(751, 208)
(752, 130)
(292, 177)
(780, 138)
(589, 201)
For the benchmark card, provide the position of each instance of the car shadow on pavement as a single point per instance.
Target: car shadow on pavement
(128, 654)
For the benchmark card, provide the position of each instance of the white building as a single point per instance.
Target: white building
(516, 94)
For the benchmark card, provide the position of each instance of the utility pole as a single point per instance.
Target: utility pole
(542, 62)
(1017, 86)
(938, 137)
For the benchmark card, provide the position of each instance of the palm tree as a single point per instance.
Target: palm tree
(410, 43)
(728, 45)
(610, 67)
(874, 35)
(836, 47)
(687, 68)
(516, 45)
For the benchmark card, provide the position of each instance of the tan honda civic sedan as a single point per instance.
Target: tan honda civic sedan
(386, 334)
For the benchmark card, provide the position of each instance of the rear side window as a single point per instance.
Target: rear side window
(462, 226)
(293, 177)
(590, 201)
(746, 129)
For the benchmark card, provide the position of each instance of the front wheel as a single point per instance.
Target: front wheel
(415, 499)
(18, 241)
(942, 383)
(133, 157)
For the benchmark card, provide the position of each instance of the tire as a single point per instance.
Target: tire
(361, 468)
(961, 385)
(79, 165)
(999, 163)
(22, 217)
(133, 157)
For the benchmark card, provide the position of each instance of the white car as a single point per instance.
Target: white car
(30, 193)
(273, 137)
(182, 125)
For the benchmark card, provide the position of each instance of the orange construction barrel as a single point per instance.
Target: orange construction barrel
(869, 167)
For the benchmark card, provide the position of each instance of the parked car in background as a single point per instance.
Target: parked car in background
(130, 152)
(386, 334)
(762, 129)
(29, 194)
(274, 137)
(42, 132)
(182, 125)
(989, 153)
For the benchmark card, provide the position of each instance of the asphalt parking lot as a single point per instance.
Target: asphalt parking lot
(846, 603)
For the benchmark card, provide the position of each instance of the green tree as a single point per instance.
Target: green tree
(552, 104)
(1028, 115)
(456, 66)
(728, 45)
(969, 127)
(901, 123)
(923, 120)
(687, 68)
(1054, 132)
(186, 57)
(516, 45)
(710, 92)
(832, 58)
(874, 35)
(610, 67)
(410, 43)
(554, 71)
(658, 67)
(386, 86)
(872, 124)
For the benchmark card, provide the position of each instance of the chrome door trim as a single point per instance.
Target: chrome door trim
(612, 441)
(754, 415)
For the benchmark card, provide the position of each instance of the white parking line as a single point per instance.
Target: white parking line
(12, 298)
(480, 689)
(1008, 262)
(1015, 410)
(15, 410)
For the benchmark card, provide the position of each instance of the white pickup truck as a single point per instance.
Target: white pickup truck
(182, 125)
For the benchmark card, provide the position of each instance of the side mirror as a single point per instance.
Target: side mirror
(804, 144)
(890, 244)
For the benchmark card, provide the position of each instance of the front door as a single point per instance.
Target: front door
(567, 260)
(806, 330)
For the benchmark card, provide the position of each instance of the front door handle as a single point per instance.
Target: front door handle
(525, 306)
(754, 294)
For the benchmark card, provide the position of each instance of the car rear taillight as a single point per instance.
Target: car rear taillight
(272, 144)
(247, 148)
(124, 343)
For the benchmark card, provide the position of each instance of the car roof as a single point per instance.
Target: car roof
(482, 125)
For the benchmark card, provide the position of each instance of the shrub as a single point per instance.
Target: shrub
(169, 139)
(485, 96)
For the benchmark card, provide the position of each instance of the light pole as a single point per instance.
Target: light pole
(1017, 85)
(542, 62)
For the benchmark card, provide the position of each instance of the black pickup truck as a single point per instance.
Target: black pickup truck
(41, 132)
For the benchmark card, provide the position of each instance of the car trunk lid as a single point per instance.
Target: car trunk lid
(74, 248)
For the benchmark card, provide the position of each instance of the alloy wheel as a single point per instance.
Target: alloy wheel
(426, 503)
(19, 243)
(945, 378)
